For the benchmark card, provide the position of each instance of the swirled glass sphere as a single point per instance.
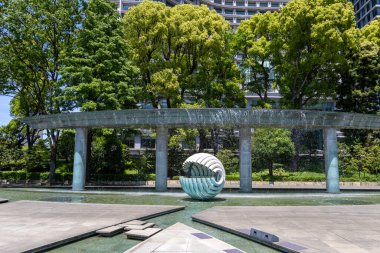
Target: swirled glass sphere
(205, 176)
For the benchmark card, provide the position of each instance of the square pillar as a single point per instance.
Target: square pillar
(331, 160)
(80, 159)
(245, 164)
(161, 159)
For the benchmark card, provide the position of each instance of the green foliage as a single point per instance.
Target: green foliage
(360, 159)
(182, 51)
(106, 152)
(360, 87)
(35, 36)
(98, 71)
(229, 160)
(66, 145)
(309, 37)
(271, 146)
(14, 155)
(176, 153)
(253, 40)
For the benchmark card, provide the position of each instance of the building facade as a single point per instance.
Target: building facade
(233, 11)
(366, 11)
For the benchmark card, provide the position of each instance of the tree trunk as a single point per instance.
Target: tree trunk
(90, 136)
(53, 162)
(270, 170)
(296, 137)
(215, 140)
(202, 139)
(54, 137)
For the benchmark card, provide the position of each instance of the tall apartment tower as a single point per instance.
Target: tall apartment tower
(366, 11)
(233, 11)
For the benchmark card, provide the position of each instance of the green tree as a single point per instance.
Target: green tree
(359, 90)
(271, 146)
(360, 87)
(35, 35)
(253, 40)
(229, 160)
(98, 72)
(145, 30)
(183, 52)
(309, 37)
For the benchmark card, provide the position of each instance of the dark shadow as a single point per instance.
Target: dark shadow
(206, 200)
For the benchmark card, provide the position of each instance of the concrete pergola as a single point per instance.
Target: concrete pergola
(242, 119)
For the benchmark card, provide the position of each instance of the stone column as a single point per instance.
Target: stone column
(80, 159)
(137, 141)
(245, 164)
(161, 159)
(331, 160)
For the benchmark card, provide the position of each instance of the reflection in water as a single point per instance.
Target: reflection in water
(74, 199)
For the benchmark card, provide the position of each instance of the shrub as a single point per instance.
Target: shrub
(271, 146)
(229, 160)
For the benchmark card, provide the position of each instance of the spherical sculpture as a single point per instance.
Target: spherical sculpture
(204, 178)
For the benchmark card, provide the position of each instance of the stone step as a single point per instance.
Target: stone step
(133, 222)
(110, 231)
(142, 234)
(3, 200)
(138, 227)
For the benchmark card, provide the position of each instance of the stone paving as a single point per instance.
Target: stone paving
(29, 226)
(306, 229)
(180, 238)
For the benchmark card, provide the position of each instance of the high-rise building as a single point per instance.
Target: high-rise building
(366, 11)
(233, 11)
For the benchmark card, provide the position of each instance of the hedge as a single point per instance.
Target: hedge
(18, 175)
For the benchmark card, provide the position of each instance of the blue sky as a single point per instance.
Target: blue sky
(4, 110)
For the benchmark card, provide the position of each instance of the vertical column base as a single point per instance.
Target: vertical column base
(80, 159)
(161, 159)
(331, 160)
(245, 164)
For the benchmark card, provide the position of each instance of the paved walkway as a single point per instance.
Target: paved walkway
(27, 226)
(306, 229)
(180, 238)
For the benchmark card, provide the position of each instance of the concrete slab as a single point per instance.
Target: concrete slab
(140, 234)
(138, 227)
(306, 229)
(3, 201)
(110, 231)
(180, 238)
(29, 226)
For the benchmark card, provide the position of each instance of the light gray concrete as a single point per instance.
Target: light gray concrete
(142, 234)
(138, 227)
(245, 163)
(161, 159)
(32, 225)
(327, 229)
(331, 160)
(206, 117)
(80, 159)
(180, 238)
